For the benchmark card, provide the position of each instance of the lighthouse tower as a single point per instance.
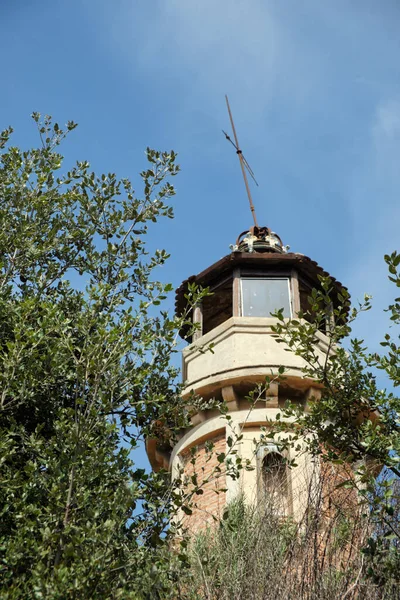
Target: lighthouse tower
(258, 277)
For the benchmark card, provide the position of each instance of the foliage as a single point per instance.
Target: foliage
(85, 374)
(354, 422)
(254, 555)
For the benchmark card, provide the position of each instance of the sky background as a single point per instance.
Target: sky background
(315, 92)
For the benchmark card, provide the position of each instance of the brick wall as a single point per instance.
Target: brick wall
(341, 516)
(334, 497)
(211, 477)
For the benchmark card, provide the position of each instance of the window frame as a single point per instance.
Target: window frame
(286, 278)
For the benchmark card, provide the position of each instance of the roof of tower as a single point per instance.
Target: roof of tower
(259, 250)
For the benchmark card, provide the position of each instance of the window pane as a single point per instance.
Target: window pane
(260, 297)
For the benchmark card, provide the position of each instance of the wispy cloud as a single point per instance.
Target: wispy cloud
(234, 46)
(386, 136)
(375, 209)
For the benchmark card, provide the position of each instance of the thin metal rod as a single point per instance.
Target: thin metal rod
(239, 153)
(246, 164)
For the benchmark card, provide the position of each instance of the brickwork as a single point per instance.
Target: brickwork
(341, 519)
(337, 498)
(209, 505)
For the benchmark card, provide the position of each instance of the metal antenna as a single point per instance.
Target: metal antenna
(243, 162)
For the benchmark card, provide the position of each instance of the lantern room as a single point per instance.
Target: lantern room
(258, 278)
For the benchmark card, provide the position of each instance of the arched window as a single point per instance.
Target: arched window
(273, 481)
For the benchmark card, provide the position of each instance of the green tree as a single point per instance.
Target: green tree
(85, 375)
(355, 421)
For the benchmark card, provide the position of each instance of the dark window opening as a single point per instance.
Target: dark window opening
(274, 473)
(274, 482)
(306, 305)
(218, 307)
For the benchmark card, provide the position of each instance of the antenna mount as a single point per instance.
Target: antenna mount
(243, 162)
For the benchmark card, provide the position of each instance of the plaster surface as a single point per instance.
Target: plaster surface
(243, 348)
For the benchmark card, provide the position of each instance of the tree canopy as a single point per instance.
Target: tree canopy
(85, 372)
(355, 422)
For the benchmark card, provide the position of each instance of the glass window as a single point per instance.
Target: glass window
(262, 296)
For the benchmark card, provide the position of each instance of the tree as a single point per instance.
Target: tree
(354, 422)
(85, 374)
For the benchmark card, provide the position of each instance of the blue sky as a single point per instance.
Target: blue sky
(315, 92)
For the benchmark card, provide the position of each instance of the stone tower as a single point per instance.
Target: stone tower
(258, 277)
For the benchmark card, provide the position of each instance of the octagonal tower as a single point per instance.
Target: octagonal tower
(258, 277)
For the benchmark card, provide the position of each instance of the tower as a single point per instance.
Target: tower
(258, 277)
